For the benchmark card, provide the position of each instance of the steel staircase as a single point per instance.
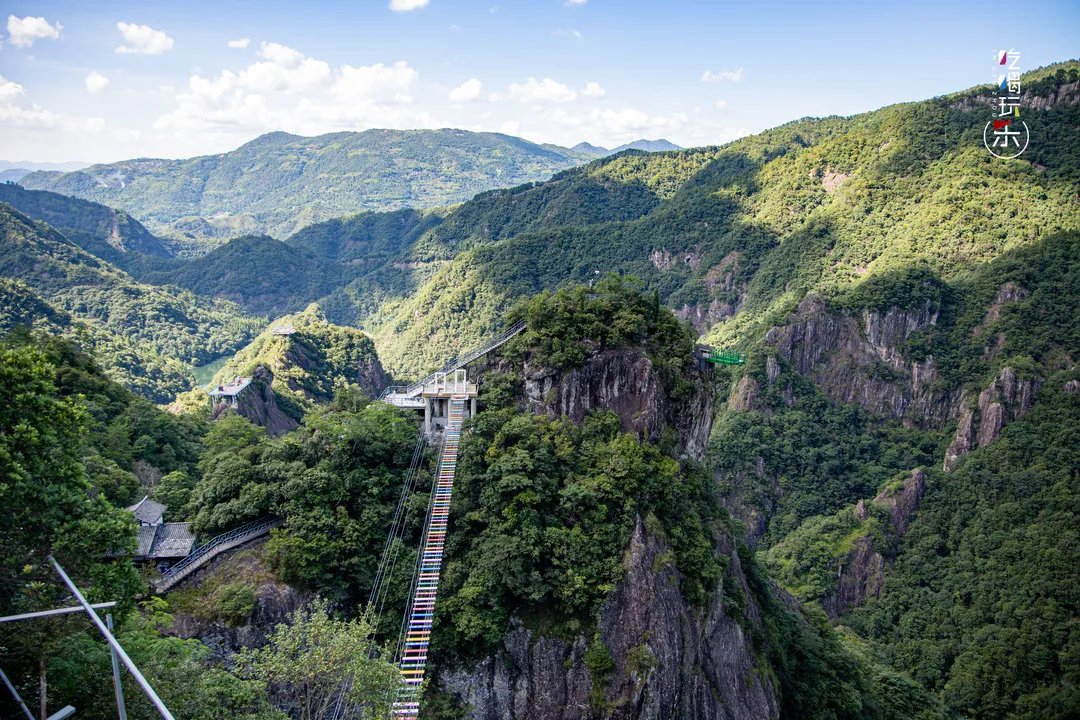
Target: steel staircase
(413, 649)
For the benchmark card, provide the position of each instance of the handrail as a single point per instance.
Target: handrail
(458, 362)
(195, 558)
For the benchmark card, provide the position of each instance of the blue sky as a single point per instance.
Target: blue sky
(562, 71)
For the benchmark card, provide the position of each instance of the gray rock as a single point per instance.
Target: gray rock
(672, 661)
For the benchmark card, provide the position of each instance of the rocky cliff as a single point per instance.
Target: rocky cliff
(196, 607)
(861, 574)
(258, 403)
(856, 359)
(669, 660)
(1006, 398)
(626, 382)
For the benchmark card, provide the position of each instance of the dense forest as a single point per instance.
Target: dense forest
(885, 509)
(280, 183)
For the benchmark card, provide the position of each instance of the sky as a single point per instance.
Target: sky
(108, 80)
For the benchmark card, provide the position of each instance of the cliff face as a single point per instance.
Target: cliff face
(670, 660)
(1006, 398)
(862, 572)
(855, 359)
(274, 603)
(627, 383)
(258, 404)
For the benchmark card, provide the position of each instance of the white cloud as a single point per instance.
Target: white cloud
(735, 75)
(721, 104)
(407, 5)
(540, 92)
(572, 3)
(467, 91)
(240, 43)
(386, 84)
(23, 32)
(287, 90)
(96, 82)
(14, 114)
(576, 34)
(10, 91)
(142, 40)
(593, 90)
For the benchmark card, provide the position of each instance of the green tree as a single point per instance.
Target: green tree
(316, 661)
(48, 506)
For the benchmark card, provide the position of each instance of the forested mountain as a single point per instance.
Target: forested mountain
(148, 337)
(733, 237)
(110, 234)
(897, 451)
(280, 183)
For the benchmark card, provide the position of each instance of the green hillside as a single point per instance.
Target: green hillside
(280, 183)
(735, 236)
(149, 337)
(107, 233)
(312, 363)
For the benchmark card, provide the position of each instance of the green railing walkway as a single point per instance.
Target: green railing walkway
(719, 356)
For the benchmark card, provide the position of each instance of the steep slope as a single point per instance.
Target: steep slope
(147, 334)
(301, 360)
(905, 300)
(741, 233)
(280, 183)
(263, 275)
(589, 573)
(95, 228)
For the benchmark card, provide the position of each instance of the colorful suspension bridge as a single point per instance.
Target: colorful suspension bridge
(413, 648)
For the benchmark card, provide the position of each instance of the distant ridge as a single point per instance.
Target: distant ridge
(279, 183)
(660, 145)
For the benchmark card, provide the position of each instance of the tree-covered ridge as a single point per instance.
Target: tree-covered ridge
(978, 601)
(739, 234)
(310, 364)
(261, 274)
(148, 336)
(565, 326)
(281, 183)
(100, 230)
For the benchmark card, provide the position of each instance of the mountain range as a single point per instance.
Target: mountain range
(897, 447)
(280, 183)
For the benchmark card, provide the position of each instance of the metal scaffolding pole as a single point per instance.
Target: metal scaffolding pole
(16, 695)
(118, 687)
(57, 611)
(120, 652)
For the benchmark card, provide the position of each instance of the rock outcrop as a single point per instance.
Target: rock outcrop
(258, 403)
(1006, 398)
(856, 359)
(671, 661)
(275, 602)
(861, 574)
(626, 382)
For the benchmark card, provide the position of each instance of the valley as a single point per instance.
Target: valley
(871, 514)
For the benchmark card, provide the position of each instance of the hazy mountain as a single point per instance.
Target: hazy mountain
(279, 183)
(660, 145)
(645, 145)
(31, 166)
(13, 174)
